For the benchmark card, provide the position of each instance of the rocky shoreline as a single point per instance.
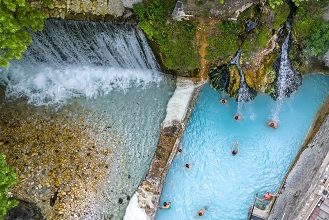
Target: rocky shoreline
(58, 159)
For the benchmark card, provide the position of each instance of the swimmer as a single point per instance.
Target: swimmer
(272, 124)
(179, 150)
(166, 205)
(201, 212)
(235, 151)
(237, 117)
(188, 166)
(223, 100)
(267, 196)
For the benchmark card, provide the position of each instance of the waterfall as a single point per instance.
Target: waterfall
(245, 93)
(287, 80)
(80, 59)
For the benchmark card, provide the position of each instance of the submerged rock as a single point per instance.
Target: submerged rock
(24, 211)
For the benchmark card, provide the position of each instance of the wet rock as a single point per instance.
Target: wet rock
(250, 25)
(53, 199)
(173, 129)
(219, 78)
(24, 211)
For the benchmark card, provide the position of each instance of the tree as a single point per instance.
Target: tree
(7, 179)
(17, 18)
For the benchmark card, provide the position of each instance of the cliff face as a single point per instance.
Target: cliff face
(210, 33)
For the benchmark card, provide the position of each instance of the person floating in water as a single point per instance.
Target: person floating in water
(237, 117)
(273, 124)
(233, 150)
(267, 196)
(188, 166)
(166, 205)
(223, 100)
(201, 212)
(179, 150)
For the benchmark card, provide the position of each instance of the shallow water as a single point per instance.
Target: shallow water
(227, 184)
(108, 76)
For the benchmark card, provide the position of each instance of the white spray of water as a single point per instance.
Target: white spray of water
(80, 59)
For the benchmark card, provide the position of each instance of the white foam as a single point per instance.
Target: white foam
(179, 102)
(133, 212)
(48, 85)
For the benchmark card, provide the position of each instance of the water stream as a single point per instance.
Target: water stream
(108, 76)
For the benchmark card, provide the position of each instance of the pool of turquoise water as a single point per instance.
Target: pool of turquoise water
(227, 184)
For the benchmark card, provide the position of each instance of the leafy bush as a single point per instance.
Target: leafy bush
(317, 42)
(15, 18)
(7, 179)
(310, 29)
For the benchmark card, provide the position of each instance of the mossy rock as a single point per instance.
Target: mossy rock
(219, 77)
(234, 84)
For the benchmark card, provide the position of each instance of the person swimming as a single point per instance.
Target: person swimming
(233, 150)
(179, 150)
(272, 124)
(201, 212)
(166, 205)
(223, 100)
(188, 166)
(237, 117)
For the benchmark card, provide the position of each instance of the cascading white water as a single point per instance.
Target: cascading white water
(69, 59)
(287, 79)
(109, 75)
(245, 93)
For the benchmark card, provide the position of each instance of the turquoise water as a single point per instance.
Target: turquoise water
(226, 184)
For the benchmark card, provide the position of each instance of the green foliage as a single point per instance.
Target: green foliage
(174, 39)
(281, 15)
(16, 17)
(317, 42)
(310, 29)
(7, 179)
(263, 35)
(275, 3)
(226, 44)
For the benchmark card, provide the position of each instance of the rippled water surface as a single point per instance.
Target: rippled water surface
(226, 184)
(106, 76)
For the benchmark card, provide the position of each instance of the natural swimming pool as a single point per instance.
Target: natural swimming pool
(227, 184)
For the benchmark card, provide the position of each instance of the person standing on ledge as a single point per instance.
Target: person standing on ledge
(267, 196)
(272, 124)
(233, 150)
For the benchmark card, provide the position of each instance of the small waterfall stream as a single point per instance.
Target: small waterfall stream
(287, 80)
(245, 93)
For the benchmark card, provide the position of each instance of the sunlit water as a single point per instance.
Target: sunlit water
(227, 184)
(111, 71)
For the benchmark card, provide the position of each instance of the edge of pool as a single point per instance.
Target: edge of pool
(143, 204)
(308, 175)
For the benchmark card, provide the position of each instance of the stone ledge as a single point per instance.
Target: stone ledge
(143, 206)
